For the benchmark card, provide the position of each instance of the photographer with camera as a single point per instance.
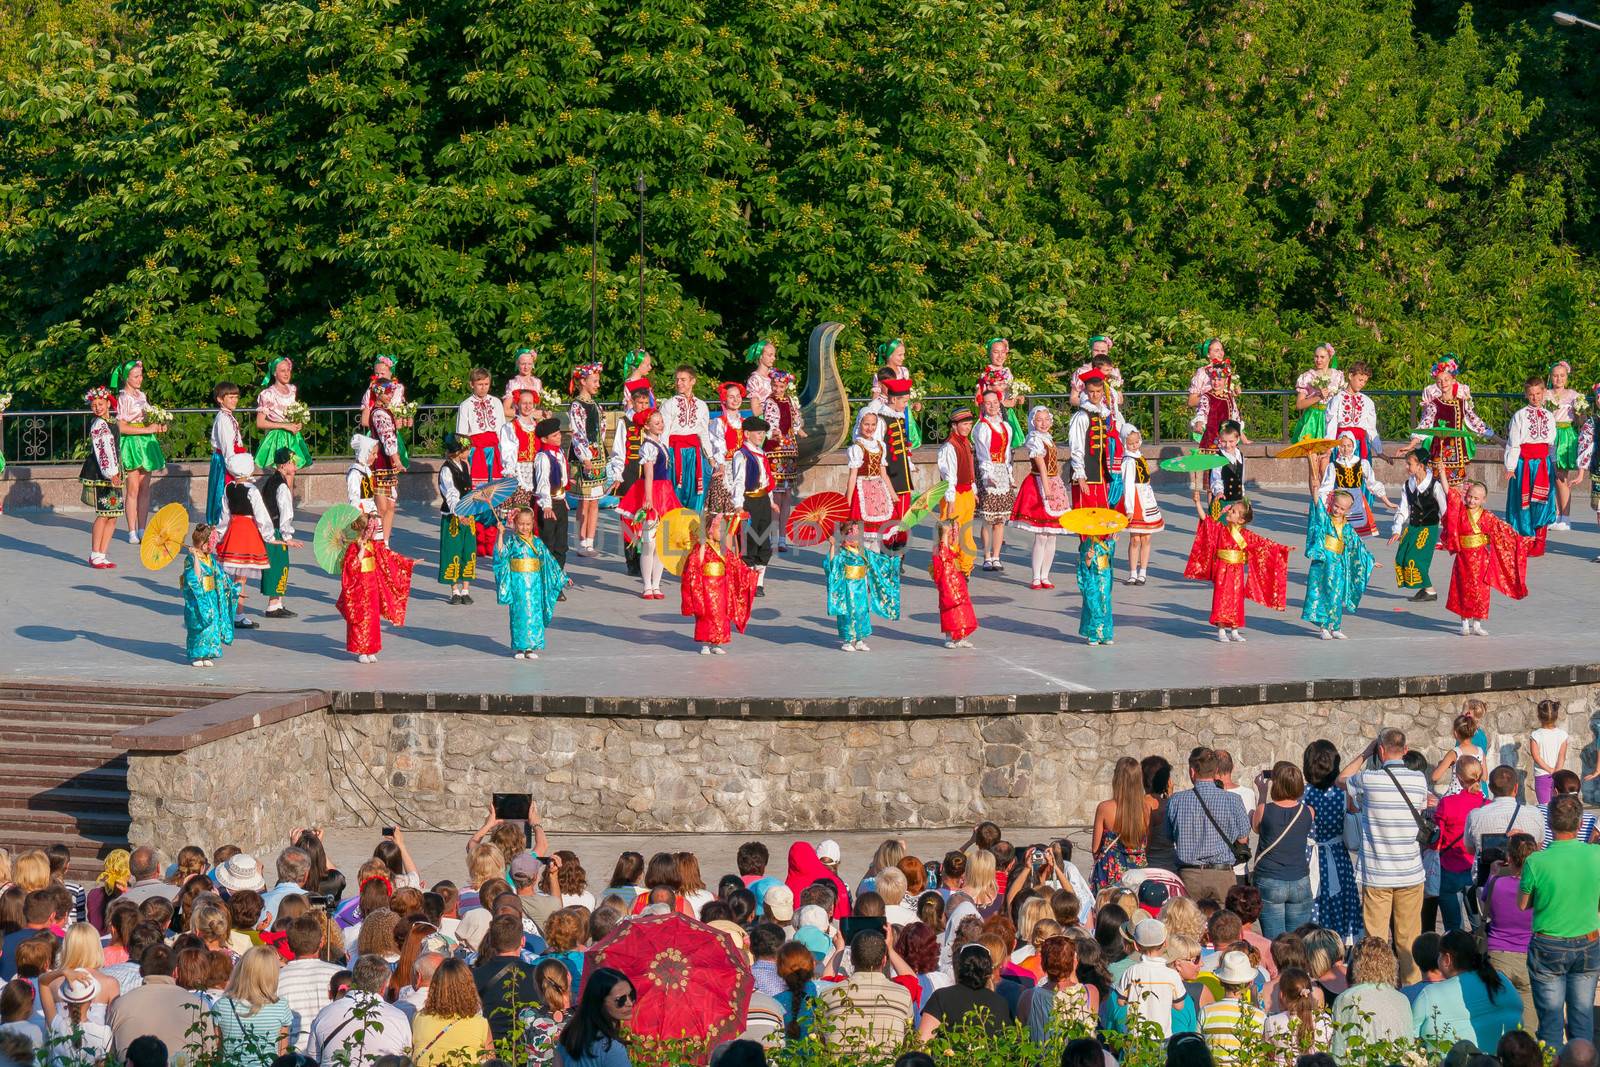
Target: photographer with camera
(1210, 828)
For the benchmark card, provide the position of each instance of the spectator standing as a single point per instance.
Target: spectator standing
(505, 983)
(1373, 1008)
(1283, 823)
(38, 916)
(1390, 799)
(1563, 782)
(1205, 822)
(1149, 987)
(158, 1007)
(145, 869)
(1159, 851)
(252, 1020)
(1559, 885)
(451, 1028)
(294, 867)
(1510, 929)
(359, 1028)
(1455, 860)
(1490, 827)
(868, 1012)
(1121, 825)
(1333, 881)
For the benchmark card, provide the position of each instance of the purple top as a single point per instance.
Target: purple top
(1510, 928)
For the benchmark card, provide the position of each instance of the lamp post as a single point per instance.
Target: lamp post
(594, 261)
(638, 186)
(1564, 18)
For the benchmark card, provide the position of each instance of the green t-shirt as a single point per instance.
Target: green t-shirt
(1564, 881)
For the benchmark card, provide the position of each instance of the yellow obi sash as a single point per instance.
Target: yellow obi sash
(1474, 540)
(855, 571)
(1230, 555)
(525, 565)
(714, 569)
(368, 564)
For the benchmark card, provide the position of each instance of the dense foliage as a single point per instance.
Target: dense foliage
(211, 183)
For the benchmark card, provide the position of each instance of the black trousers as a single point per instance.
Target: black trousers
(553, 532)
(758, 531)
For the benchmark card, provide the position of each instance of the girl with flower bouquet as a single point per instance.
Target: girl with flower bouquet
(1313, 390)
(139, 424)
(281, 418)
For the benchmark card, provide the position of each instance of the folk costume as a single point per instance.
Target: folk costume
(374, 586)
(1341, 568)
(550, 478)
(1449, 406)
(1355, 476)
(726, 439)
(1529, 458)
(1353, 413)
(622, 470)
(949, 573)
(586, 444)
(872, 499)
(273, 402)
(1312, 425)
(958, 469)
(242, 547)
(226, 440)
(1227, 483)
(1489, 553)
(100, 466)
(686, 422)
(997, 378)
(1563, 406)
(1588, 454)
(529, 581)
(1417, 521)
(718, 590)
(390, 458)
(860, 583)
(1077, 394)
(518, 384)
(993, 441)
(1095, 440)
(758, 387)
(210, 603)
(359, 491)
(479, 420)
(1240, 565)
(519, 444)
(751, 483)
(278, 501)
(634, 383)
(397, 392)
(1096, 563)
(641, 512)
(1041, 500)
(138, 451)
(1138, 495)
(1216, 390)
(782, 416)
(458, 536)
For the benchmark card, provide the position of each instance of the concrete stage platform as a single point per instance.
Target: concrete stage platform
(608, 650)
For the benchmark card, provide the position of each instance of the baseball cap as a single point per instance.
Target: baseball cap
(1152, 895)
(779, 903)
(828, 851)
(527, 867)
(1150, 933)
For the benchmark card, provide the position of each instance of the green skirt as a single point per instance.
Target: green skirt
(458, 549)
(141, 452)
(1414, 558)
(277, 439)
(275, 579)
(1566, 447)
(1312, 426)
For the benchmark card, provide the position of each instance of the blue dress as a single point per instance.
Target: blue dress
(1338, 903)
(1341, 567)
(528, 580)
(861, 584)
(1094, 574)
(210, 603)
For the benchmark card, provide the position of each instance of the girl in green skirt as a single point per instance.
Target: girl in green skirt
(138, 444)
(1313, 390)
(273, 405)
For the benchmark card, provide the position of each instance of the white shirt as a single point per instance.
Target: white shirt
(412, 1000)
(1349, 408)
(304, 985)
(258, 511)
(285, 511)
(1428, 484)
(1496, 817)
(899, 915)
(93, 1036)
(104, 443)
(549, 476)
(1150, 988)
(949, 466)
(224, 433)
(686, 417)
(511, 450)
(352, 488)
(1368, 478)
(1529, 426)
(1216, 475)
(479, 414)
(380, 1030)
(740, 470)
(447, 487)
(1389, 857)
(1547, 742)
(1078, 434)
(987, 437)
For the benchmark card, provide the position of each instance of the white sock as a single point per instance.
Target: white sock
(761, 576)
(1044, 550)
(1039, 564)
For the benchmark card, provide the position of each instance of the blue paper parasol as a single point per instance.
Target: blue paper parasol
(484, 501)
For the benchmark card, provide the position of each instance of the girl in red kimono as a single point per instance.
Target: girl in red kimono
(956, 617)
(718, 589)
(1489, 555)
(1240, 566)
(374, 584)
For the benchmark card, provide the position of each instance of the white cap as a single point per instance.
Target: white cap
(812, 915)
(828, 851)
(778, 903)
(240, 873)
(241, 464)
(1150, 933)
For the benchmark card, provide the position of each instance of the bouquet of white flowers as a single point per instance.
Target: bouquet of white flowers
(297, 412)
(550, 399)
(1323, 382)
(5, 401)
(1020, 388)
(155, 416)
(1579, 406)
(407, 410)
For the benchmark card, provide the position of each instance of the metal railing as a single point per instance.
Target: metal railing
(45, 437)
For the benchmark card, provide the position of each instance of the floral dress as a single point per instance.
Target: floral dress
(1338, 902)
(1113, 861)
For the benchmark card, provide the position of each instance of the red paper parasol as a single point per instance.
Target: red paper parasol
(813, 519)
(692, 982)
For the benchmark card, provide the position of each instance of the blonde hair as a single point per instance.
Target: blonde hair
(1028, 916)
(31, 871)
(211, 923)
(255, 978)
(5, 865)
(81, 951)
(486, 862)
(1183, 916)
(1181, 947)
(981, 884)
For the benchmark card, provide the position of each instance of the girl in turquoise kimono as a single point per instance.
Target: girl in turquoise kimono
(1341, 566)
(861, 584)
(1095, 555)
(210, 601)
(529, 581)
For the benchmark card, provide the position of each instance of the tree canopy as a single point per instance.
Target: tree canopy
(208, 184)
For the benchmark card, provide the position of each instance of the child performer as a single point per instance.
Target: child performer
(651, 497)
(550, 478)
(374, 585)
(782, 415)
(686, 421)
(1240, 565)
(718, 589)
(1489, 555)
(479, 420)
(1548, 748)
(242, 548)
(1042, 499)
(1214, 395)
(992, 441)
(458, 537)
(272, 419)
(278, 499)
(1139, 504)
(636, 368)
(1589, 453)
(1095, 440)
(1341, 566)
(226, 440)
(866, 486)
(727, 437)
(383, 368)
(138, 444)
(1227, 483)
(210, 601)
(751, 483)
(1416, 525)
(1352, 411)
(1562, 400)
(1530, 454)
(101, 475)
(588, 451)
(622, 465)
(1349, 472)
(998, 378)
(860, 583)
(529, 580)
(1096, 564)
(958, 469)
(358, 488)
(519, 444)
(1313, 390)
(390, 458)
(956, 617)
(1448, 402)
(521, 381)
(764, 354)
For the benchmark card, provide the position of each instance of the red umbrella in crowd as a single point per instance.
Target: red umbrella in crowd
(692, 982)
(813, 519)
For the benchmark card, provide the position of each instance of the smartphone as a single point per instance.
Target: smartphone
(855, 924)
(934, 869)
(512, 806)
(388, 831)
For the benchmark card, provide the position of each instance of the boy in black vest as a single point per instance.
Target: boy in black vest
(1416, 526)
(279, 501)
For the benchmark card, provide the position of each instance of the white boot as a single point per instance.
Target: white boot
(1238, 635)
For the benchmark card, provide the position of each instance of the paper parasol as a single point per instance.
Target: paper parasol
(1313, 447)
(676, 535)
(1190, 462)
(923, 504)
(1442, 431)
(164, 537)
(333, 536)
(484, 501)
(813, 519)
(1094, 522)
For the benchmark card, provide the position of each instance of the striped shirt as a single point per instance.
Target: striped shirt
(1585, 828)
(303, 985)
(1389, 857)
(1224, 1023)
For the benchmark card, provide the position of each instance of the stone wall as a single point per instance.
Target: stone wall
(598, 774)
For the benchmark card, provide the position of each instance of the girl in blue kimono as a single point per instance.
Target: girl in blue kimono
(210, 601)
(1341, 566)
(529, 581)
(1095, 555)
(861, 584)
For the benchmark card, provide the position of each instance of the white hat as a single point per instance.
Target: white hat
(1234, 969)
(241, 872)
(812, 915)
(81, 987)
(779, 903)
(241, 464)
(361, 444)
(1150, 933)
(828, 851)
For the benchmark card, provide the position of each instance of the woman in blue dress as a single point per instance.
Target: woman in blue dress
(1338, 900)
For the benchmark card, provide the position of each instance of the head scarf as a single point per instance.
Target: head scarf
(1128, 430)
(805, 868)
(98, 392)
(384, 357)
(1560, 363)
(1346, 435)
(1448, 363)
(120, 375)
(1102, 337)
(1333, 354)
(1204, 348)
(272, 368)
(579, 373)
(1033, 413)
(115, 872)
(886, 349)
(753, 353)
(361, 445)
(526, 352)
(631, 361)
(722, 395)
(988, 346)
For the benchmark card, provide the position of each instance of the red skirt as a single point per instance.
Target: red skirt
(1039, 508)
(1090, 495)
(663, 499)
(242, 548)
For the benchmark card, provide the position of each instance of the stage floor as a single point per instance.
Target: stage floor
(62, 620)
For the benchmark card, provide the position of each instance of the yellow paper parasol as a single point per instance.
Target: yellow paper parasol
(1094, 522)
(676, 535)
(1312, 447)
(164, 537)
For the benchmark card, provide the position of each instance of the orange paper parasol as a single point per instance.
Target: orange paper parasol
(164, 537)
(813, 519)
(1302, 449)
(1094, 522)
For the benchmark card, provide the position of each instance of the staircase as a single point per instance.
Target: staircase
(63, 775)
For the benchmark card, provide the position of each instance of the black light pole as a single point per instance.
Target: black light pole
(638, 186)
(594, 262)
